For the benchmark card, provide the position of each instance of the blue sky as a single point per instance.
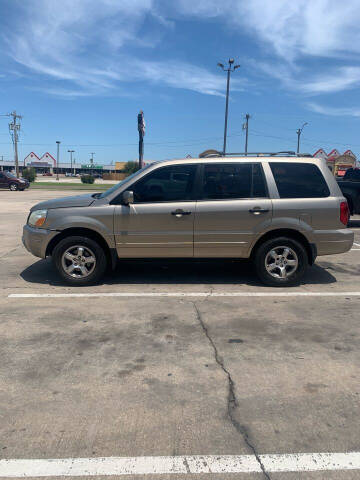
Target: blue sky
(80, 70)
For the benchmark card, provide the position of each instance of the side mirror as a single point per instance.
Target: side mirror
(128, 197)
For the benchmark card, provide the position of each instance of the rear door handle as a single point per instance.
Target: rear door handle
(180, 213)
(258, 210)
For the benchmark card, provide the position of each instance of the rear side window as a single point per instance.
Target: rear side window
(299, 180)
(227, 181)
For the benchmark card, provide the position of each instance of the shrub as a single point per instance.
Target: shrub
(87, 178)
(29, 173)
(131, 167)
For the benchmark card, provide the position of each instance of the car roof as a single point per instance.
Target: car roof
(240, 159)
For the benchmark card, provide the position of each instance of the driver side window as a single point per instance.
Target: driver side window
(166, 184)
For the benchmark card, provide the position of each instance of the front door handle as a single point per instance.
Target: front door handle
(179, 213)
(258, 210)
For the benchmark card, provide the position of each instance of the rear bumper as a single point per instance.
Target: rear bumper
(330, 242)
(36, 240)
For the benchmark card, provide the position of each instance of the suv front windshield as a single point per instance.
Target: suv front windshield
(10, 175)
(120, 184)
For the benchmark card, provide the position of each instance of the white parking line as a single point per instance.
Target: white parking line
(185, 294)
(183, 465)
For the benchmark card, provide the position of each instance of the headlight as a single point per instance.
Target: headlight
(37, 218)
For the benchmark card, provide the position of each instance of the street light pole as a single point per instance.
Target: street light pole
(57, 159)
(71, 163)
(230, 69)
(299, 131)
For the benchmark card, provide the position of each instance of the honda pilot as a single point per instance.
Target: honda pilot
(279, 211)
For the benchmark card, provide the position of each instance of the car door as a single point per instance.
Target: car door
(160, 222)
(3, 181)
(233, 209)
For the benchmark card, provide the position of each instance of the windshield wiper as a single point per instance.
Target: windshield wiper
(96, 195)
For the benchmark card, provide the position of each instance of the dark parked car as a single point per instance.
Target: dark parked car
(350, 187)
(352, 174)
(9, 180)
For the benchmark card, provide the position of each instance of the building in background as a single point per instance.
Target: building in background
(32, 157)
(42, 165)
(119, 166)
(47, 164)
(337, 162)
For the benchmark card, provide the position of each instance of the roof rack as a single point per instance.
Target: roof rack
(257, 154)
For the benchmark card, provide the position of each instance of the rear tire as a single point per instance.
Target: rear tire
(281, 262)
(79, 260)
(13, 187)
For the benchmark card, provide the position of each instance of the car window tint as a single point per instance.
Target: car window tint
(299, 180)
(258, 187)
(226, 181)
(166, 184)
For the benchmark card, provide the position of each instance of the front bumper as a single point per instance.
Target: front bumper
(330, 242)
(36, 240)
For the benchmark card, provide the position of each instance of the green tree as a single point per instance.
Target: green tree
(131, 167)
(29, 173)
(87, 178)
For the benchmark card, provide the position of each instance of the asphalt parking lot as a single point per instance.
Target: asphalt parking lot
(189, 370)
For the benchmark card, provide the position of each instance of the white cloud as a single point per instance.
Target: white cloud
(294, 31)
(291, 29)
(332, 81)
(85, 44)
(334, 111)
(336, 80)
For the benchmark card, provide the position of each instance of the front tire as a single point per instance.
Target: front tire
(13, 187)
(79, 260)
(281, 262)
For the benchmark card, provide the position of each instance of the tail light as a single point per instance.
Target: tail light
(344, 213)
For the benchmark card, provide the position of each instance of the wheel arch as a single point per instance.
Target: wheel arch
(84, 232)
(290, 233)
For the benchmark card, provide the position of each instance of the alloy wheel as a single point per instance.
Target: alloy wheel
(281, 262)
(78, 261)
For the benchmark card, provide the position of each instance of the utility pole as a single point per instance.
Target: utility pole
(141, 130)
(246, 128)
(230, 69)
(57, 159)
(92, 157)
(71, 162)
(299, 132)
(14, 127)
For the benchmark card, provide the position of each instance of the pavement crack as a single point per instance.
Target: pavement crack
(232, 403)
